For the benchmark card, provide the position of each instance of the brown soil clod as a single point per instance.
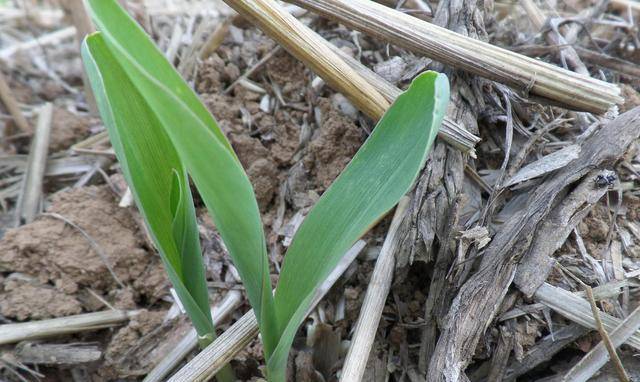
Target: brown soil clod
(59, 254)
(332, 146)
(22, 300)
(67, 129)
(117, 353)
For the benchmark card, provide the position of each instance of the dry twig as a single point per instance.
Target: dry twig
(374, 301)
(554, 38)
(544, 350)
(12, 106)
(558, 85)
(219, 313)
(11, 333)
(479, 298)
(451, 132)
(614, 63)
(57, 354)
(625, 5)
(215, 39)
(342, 72)
(84, 27)
(47, 39)
(576, 309)
(598, 356)
(600, 59)
(30, 199)
(606, 340)
(553, 232)
(309, 47)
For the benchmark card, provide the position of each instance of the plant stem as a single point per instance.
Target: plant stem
(226, 374)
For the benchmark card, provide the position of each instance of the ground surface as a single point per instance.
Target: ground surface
(86, 252)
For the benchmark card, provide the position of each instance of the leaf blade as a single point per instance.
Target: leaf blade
(121, 30)
(204, 151)
(381, 172)
(150, 172)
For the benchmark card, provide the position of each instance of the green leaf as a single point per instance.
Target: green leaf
(162, 135)
(187, 238)
(381, 172)
(202, 149)
(119, 29)
(155, 174)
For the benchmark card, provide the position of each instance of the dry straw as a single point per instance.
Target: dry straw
(559, 86)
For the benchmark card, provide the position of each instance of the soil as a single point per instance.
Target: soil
(267, 142)
(64, 262)
(293, 136)
(125, 339)
(332, 146)
(67, 129)
(24, 301)
(631, 97)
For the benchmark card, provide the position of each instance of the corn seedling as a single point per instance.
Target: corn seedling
(163, 136)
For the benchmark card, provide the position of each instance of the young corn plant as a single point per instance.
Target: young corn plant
(163, 136)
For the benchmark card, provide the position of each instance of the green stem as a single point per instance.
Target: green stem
(276, 374)
(226, 374)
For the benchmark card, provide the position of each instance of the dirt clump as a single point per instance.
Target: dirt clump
(153, 283)
(596, 224)
(126, 338)
(332, 146)
(210, 77)
(259, 165)
(631, 98)
(67, 129)
(288, 73)
(263, 174)
(286, 139)
(75, 256)
(22, 300)
(263, 155)
(225, 110)
(249, 150)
